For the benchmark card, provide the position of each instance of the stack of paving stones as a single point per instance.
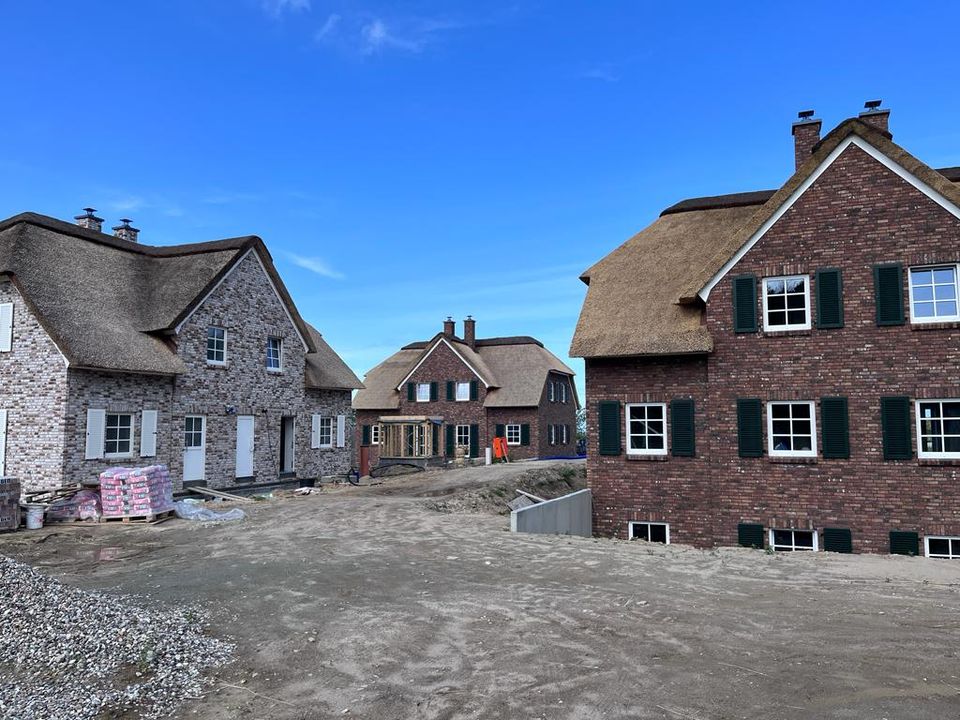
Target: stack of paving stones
(70, 654)
(126, 492)
(9, 504)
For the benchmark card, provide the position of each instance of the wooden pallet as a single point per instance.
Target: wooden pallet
(139, 519)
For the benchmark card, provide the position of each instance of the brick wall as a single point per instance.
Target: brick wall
(556, 413)
(856, 215)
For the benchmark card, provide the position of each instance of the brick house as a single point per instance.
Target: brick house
(430, 398)
(779, 368)
(118, 353)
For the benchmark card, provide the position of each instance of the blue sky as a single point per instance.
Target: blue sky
(409, 160)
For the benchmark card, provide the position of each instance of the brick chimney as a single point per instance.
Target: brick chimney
(470, 331)
(449, 327)
(875, 116)
(125, 231)
(89, 220)
(806, 134)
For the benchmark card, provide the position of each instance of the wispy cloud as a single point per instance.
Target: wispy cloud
(315, 265)
(276, 8)
(127, 203)
(376, 36)
(604, 72)
(366, 34)
(329, 27)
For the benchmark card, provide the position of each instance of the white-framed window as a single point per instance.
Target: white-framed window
(650, 531)
(942, 546)
(423, 392)
(933, 294)
(564, 434)
(463, 436)
(193, 431)
(118, 435)
(274, 354)
(552, 434)
(325, 432)
(552, 391)
(791, 540)
(563, 392)
(938, 428)
(375, 434)
(646, 429)
(513, 434)
(791, 429)
(216, 346)
(786, 303)
(463, 391)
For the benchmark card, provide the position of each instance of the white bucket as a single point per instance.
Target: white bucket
(35, 517)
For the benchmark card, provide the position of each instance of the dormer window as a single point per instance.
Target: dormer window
(216, 346)
(786, 303)
(274, 354)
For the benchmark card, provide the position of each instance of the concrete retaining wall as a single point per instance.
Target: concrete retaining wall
(567, 515)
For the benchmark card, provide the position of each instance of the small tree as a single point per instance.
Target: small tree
(582, 424)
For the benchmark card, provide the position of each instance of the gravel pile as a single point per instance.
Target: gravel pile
(70, 654)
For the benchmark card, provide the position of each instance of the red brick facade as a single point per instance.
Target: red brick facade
(857, 214)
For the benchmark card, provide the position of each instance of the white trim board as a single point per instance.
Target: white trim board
(429, 352)
(905, 174)
(236, 264)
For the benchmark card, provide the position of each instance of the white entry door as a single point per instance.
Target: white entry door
(244, 446)
(194, 448)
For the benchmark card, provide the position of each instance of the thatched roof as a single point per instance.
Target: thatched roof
(514, 369)
(111, 304)
(644, 297)
(325, 370)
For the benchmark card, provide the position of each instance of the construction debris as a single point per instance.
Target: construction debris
(71, 654)
(209, 492)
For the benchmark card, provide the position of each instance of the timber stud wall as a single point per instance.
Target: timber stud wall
(857, 215)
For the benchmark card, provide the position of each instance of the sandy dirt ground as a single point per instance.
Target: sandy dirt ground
(379, 603)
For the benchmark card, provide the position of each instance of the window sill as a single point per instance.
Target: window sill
(217, 364)
(947, 325)
(933, 462)
(126, 456)
(271, 371)
(636, 457)
(787, 460)
(787, 333)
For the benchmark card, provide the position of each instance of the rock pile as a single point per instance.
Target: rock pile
(71, 654)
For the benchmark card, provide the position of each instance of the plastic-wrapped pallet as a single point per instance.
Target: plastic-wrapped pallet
(136, 491)
(9, 503)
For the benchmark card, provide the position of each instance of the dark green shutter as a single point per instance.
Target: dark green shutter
(750, 535)
(895, 423)
(365, 440)
(451, 439)
(524, 434)
(474, 441)
(434, 392)
(904, 543)
(474, 390)
(451, 389)
(411, 391)
(888, 291)
(682, 428)
(749, 428)
(745, 303)
(837, 540)
(829, 298)
(500, 431)
(608, 426)
(835, 423)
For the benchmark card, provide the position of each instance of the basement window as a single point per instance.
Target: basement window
(786, 303)
(942, 547)
(650, 531)
(792, 540)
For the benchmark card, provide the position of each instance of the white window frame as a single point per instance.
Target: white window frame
(806, 307)
(812, 452)
(222, 350)
(375, 434)
(563, 392)
(921, 453)
(646, 451)
(552, 393)
(565, 434)
(462, 396)
(951, 555)
(956, 291)
(465, 430)
(106, 426)
(552, 434)
(647, 523)
(793, 547)
(422, 397)
(279, 367)
(326, 432)
(512, 429)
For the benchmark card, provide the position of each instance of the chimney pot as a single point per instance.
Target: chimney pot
(449, 327)
(875, 116)
(806, 134)
(470, 331)
(125, 231)
(89, 220)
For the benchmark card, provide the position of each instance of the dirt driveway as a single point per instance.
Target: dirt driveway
(371, 603)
